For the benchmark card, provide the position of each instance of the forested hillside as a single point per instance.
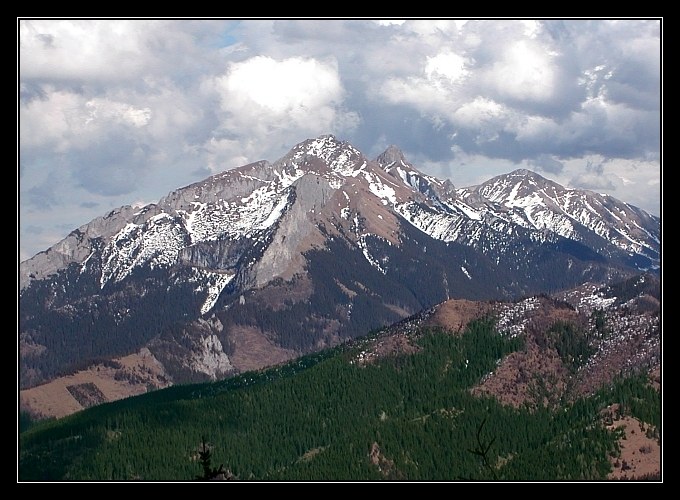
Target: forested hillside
(345, 414)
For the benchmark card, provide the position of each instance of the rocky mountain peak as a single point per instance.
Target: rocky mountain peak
(524, 174)
(520, 182)
(340, 156)
(390, 156)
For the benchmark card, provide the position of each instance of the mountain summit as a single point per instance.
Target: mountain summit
(391, 156)
(266, 261)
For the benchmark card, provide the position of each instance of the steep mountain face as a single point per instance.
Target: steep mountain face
(270, 260)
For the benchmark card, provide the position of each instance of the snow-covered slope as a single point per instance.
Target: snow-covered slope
(529, 200)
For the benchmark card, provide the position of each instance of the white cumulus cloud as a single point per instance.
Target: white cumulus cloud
(524, 72)
(447, 65)
(267, 100)
(67, 120)
(63, 49)
(291, 87)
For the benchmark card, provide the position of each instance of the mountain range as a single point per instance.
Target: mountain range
(268, 261)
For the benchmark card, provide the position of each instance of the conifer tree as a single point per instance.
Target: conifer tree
(205, 457)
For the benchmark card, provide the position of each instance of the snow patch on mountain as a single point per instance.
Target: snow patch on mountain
(286, 178)
(236, 219)
(595, 300)
(362, 244)
(371, 260)
(534, 202)
(404, 175)
(382, 191)
(336, 182)
(190, 219)
(340, 157)
(512, 318)
(466, 209)
(213, 283)
(552, 221)
(157, 242)
(275, 214)
(441, 226)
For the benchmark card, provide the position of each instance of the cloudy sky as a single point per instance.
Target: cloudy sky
(119, 112)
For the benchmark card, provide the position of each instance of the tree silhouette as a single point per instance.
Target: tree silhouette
(482, 451)
(205, 457)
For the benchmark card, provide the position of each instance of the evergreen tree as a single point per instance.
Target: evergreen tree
(205, 457)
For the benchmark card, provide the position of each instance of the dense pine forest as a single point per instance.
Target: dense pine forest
(341, 415)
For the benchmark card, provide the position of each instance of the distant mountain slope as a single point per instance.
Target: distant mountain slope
(268, 261)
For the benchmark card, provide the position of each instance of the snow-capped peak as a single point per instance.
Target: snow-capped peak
(532, 201)
(340, 156)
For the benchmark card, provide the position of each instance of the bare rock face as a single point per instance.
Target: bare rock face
(391, 155)
(195, 349)
(211, 359)
(296, 230)
(220, 254)
(227, 186)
